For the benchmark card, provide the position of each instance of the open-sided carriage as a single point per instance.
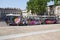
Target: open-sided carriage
(13, 19)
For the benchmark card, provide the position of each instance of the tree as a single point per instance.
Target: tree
(55, 2)
(37, 6)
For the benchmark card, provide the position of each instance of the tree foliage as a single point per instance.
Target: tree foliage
(55, 2)
(37, 6)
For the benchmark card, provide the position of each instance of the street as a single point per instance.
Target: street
(35, 32)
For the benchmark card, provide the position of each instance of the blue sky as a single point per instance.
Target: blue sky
(15, 4)
(50, 3)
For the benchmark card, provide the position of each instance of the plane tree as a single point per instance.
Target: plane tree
(37, 6)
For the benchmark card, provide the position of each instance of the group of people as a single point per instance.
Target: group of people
(31, 21)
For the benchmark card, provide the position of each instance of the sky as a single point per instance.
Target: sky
(15, 4)
(50, 3)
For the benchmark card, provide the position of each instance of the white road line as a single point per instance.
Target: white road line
(27, 34)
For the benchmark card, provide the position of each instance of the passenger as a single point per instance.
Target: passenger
(40, 21)
(17, 20)
(28, 21)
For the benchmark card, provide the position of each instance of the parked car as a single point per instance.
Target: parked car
(50, 21)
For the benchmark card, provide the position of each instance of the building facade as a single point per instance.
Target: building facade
(4, 11)
(25, 13)
(55, 10)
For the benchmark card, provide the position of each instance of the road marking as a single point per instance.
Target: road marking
(27, 34)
